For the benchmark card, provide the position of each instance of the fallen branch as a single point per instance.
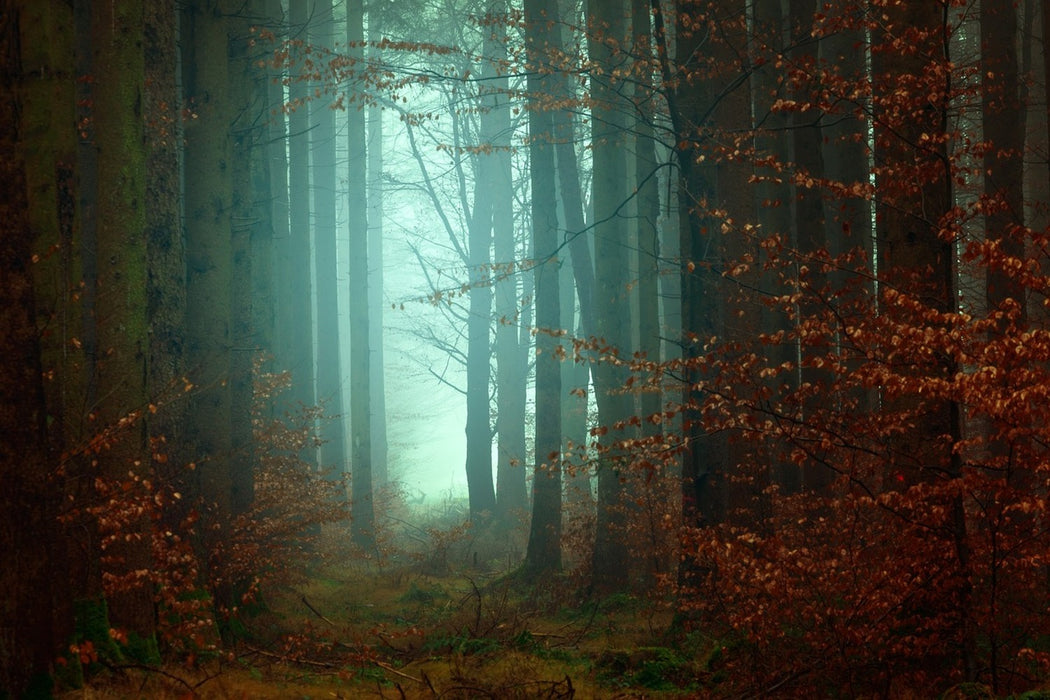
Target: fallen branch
(290, 659)
(393, 670)
(315, 610)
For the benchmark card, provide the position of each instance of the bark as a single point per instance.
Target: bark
(48, 98)
(362, 507)
(286, 311)
(647, 195)
(810, 230)
(301, 326)
(544, 548)
(606, 23)
(121, 304)
(576, 378)
(243, 216)
(208, 203)
(27, 644)
(916, 253)
(380, 469)
(479, 320)
(1003, 125)
(511, 356)
(166, 254)
(691, 98)
(323, 171)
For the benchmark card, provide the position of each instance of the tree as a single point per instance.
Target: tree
(329, 379)
(208, 198)
(606, 32)
(25, 604)
(544, 548)
(362, 508)
(120, 308)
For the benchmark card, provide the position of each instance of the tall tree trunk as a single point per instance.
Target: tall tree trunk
(326, 249)
(380, 468)
(810, 229)
(607, 27)
(576, 380)
(916, 255)
(165, 251)
(544, 548)
(646, 169)
(121, 303)
(208, 198)
(48, 99)
(299, 261)
(27, 645)
(246, 115)
(479, 319)
(1002, 119)
(362, 505)
(511, 358)
(690, 95)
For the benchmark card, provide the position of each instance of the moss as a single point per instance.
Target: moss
(142, 649)
(92, 625)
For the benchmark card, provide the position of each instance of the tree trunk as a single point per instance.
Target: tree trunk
(544, 549)
(362, 505)
(511, 358)
(27, 645)
(326, 250)
(208, 202)
(380, 468)
(607, 28)
(121, 302)
(299, 262)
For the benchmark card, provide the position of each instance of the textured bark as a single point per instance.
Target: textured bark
(323, 170)
(245, 115)
(121, 304)
(285, 310)
(916, 255)
(511, 356)
(646, 170)
(208, 199)
(691, 99)
(165, 251)
(48, 98)
(544, 549)
(810, 227)
(26, 520)
(362, 500)
(479, 320)
(377, 363)
(1003, 125)
(298, 269)
(606, 23)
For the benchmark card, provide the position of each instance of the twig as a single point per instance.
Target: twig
(393, 670)
(153, 669)
(289, 659)
(315, 611)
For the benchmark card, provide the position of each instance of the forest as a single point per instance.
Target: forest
(524, 348)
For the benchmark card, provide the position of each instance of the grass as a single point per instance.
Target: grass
(352, 629)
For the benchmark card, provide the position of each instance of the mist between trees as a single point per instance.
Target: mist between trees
(741, 305)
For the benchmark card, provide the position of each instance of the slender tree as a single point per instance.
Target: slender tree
(606, 30)
(544, 548)
(329, 381)
(362, 503)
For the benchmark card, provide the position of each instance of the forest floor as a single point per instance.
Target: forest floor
(422, 627)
